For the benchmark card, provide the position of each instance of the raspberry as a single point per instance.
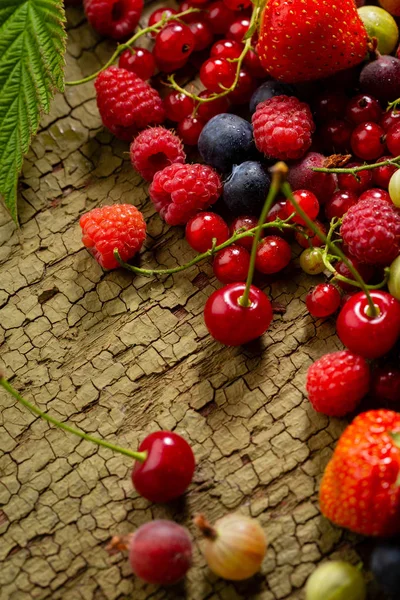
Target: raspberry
(113, 18)
(371, 230)
(154, 149)
(127, 103)
(282, 127)
(337, 382)
(119, 226)
(181, 191)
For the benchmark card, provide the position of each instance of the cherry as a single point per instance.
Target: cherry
(367, 141)
(203, 228)
(217, 72)
(393, 139)
(307, 201)
(139, 61)
(390, 118)
(177, 106)
(253, 65)
(309, 238)
(175, 41)
(226, 49)
(231, 264)
(339, 203)
(335, 135)
(329, 105)
(244, 88)
(203, 34)
(238, 29)
(366, 272)
(237, 4)
(323, 300)
(244, 223)
(273, 255)
(158, 14)
(232, 324)
(208, 110)
(189, 130)
(386, 383)
(370, 337)
(357, 184)
(168, 468)
(363, 108)
(382, 175)
(375, 194)
(220, 17)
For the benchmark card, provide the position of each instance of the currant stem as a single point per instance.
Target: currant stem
(279, 171)
(153, 28)
(353, 170)
(139, 456)
(287, 191)
(206, 529)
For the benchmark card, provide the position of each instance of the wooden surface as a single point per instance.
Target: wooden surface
(120, 357)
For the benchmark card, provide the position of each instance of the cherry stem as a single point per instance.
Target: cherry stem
(119, 543)
(206, 529)
(353, 170)
(127, 45)
(287, 191)
(139, 456)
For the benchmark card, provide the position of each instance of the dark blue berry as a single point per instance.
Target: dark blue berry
(385, 565)
(268, 90)
(226, 140)
(246, 188)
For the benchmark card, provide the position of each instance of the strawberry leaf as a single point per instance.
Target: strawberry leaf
(32, 44)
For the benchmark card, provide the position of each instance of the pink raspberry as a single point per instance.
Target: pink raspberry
(371, 230)
(113, 18)
(119, 226)
(181, 191)
(337, 382)
(154, 149)
(127, 103)
(282, 127)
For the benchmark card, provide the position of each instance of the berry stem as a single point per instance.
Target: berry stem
(353, 170)
(151, 29)
(206, 529)
(287, 191)
(279, 171)
(139, 456)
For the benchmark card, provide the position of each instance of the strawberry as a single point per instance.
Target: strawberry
(300, 40)
(360, 487)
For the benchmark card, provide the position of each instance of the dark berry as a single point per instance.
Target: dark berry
(329, 105)
(386, 383)
(268, 90)
(203, 228)
(246, 188)
(237, 5)
(385, 565)
(363, 108)
(335, 136)
(253, 65)
(231, 264)
(381, 78)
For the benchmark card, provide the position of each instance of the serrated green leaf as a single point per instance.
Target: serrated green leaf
(32, 45)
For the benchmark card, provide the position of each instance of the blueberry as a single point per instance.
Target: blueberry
(268, 90)
(385, 565)
(246, 189)
(226, 140)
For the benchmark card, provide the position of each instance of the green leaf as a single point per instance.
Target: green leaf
(32, 45)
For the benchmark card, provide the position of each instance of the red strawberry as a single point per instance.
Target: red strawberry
(360, 487)
(301, 40)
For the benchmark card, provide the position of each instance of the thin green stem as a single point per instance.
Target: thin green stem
(287, 191)
(279, 171)
(353, 170)
(139, 456)
(152, 29)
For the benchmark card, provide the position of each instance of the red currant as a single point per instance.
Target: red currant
(231, 264)
(158, 14)
(386, 383)
(323, 300)
(370, 337)
(273, 255)
(307, 201)
(220, 17)
(175, 41)
(226, 49)
(375, 194)
(382, 175)
(217, 72)
(208, 110)
(139, 61)
(189, 130)
(238, 29)
(367, 141)
(203, 34)
(363, 108)
(244, 88)
(232, 324)
(203, 228)
(177, 106)
(191, 17)
(366, 272)
(335, 135)
(339, 204)
(358, 184)
(168, 468)
(310, 239)
(278, 211)
(390, 117)
(253, 65)
(168, 67)
(197, 3)
(329, 105)
(244, 223)
(393, 139)
(237, 4)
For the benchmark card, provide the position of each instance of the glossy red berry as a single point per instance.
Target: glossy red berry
(139, 61)
(203, 228)
(244, 88)
(253, 65)
(386, 384)
(389, 118)
(308, 238)
(363, 108)
(217, 72)
(158, 14)
(203, 34)
(191, 17)
(368, 141)
(189, 130)
(237, 5)
(382, 175)
(278, 211)
(226, 49)
(335, 135)
(208, 110)
(175, 42)
(370, 337)
(365, 271)
(339, 204)
(244, 224)
(323, 300)
(393, 139)
(358, 185)
(177, 106)
(220, 17)
(168, 468)
(375, 194)
(238, 29)
(165, 66)
(307, 201)
(231, 264)
(232, 324)
(329, 105)
(273, 255)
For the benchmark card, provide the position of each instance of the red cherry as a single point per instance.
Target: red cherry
(382, 175)
(189, 130)
(244, 223)
(177, 106)
(389, 118)
(238, 29)
(203, 228)
(232, 324)
(203, 34)
(310, 239)
(370, 337)
(335, 135)
(363, 108)
(386, 383)
(393, 139)
(273, 255)
(168, 468)
(329, 105)
(217, 72)
(358, 185)
(139, 61)
(366, 272)
(208, 110)
(231, 264)
(307, 201)
(226, 49)
(339, 204)
(367, 141)
(244, 88)
(323, 300)
(158, 14)
(375, 194)
(220, 17)
(175, 41)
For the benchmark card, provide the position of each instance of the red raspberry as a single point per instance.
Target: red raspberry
(119, 226)
(154, 149)
(282, 127)
(127, 103)
(337, 382)
(181, 191)
(113, 18)
(371, 230)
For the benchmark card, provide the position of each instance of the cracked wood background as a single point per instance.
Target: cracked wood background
(121, 356)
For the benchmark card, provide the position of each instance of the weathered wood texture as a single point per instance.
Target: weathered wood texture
(120, 357)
